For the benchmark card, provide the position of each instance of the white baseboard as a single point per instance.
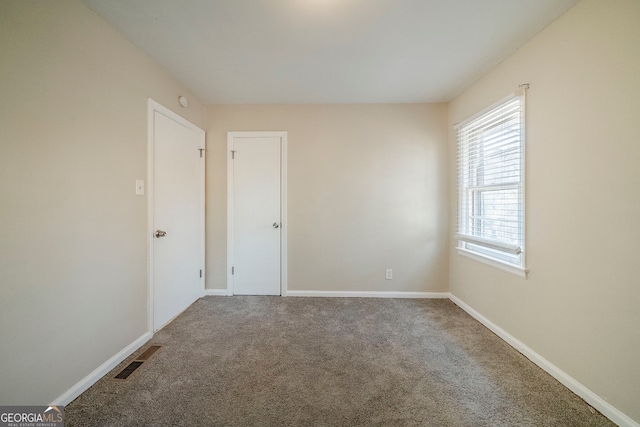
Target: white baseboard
(348, 294)
(217, 292)
(75, 391)
(367, 294)
(568, 381)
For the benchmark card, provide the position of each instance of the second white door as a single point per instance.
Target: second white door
(255, 213)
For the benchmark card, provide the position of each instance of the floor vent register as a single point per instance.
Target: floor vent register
(137, 362)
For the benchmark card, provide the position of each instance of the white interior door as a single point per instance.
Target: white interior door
(256, 222)
(178, 215)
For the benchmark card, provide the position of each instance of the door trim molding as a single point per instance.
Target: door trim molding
(283, 205)
(152, 108)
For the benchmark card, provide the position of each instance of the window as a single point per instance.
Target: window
(491, 185)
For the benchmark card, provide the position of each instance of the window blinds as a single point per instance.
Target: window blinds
(491, 179)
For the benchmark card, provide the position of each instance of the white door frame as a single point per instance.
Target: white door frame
(283, 204)
(154, 107)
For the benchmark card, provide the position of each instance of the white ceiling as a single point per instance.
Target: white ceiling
(328, 51)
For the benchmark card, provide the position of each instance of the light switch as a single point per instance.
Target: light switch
(139, 187)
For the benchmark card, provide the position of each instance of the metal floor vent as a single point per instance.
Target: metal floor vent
(137, 362)
(124, 374)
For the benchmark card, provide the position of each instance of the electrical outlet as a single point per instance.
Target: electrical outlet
(388, 274)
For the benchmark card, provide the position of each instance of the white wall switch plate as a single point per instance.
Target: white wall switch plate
(388, 274)
(139, 187)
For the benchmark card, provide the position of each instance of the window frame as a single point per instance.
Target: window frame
(502, 255)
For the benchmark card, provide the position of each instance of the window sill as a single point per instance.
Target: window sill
(518, 271)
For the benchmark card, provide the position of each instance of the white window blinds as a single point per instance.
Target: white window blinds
(491, 182)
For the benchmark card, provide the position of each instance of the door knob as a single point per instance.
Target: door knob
(160, 233)
(276, 225)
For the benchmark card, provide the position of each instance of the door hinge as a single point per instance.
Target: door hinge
(200, 273)
(233, 270)
(200, 150)
(233, 154)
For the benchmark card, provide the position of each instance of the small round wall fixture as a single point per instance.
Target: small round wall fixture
(183, 101)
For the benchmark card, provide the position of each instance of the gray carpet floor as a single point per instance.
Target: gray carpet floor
(271, 361)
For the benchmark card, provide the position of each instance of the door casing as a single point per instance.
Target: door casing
(283, 204)
(152, 108)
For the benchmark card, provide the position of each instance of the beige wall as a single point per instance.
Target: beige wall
(73, 137)
(579, 307)
(367, 190)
